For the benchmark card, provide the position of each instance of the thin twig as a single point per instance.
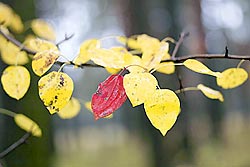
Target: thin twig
(66, 38)
(15, 145)
(206, 56)
(183, 35)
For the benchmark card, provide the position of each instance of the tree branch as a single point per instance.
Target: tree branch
(17, 43)
(173, 58)
(207, 56)
(183, 35)
(15, 145)
(66, 38)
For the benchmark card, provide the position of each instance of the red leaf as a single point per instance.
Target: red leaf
(110, 95)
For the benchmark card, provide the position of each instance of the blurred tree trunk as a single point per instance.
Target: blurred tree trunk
(37, 151)
(136, 16)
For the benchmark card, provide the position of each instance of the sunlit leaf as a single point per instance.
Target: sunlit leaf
(162, 109)
(43, 29)
(107, 58)
(12, 55)
(232, 78)
(198, 67)
(86, 46)
(41, 45)
(109, 96)
(28, 125)
(134, 64)
(88, 106)
(210, 93)
(166, 67)
(71, 110)
(43, 61)
(153, 59)
(139, 87)
(122, 39)
(15, 81)
(55, 90)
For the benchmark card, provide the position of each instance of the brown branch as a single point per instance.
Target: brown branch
(183, 35)
(15, 145)
(173, 58)
(66, 38)
(207, 56)
(17, 43)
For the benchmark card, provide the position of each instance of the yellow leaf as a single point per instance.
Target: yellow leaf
(16, 24)
(198, 67)
(43, 61)
(88, 106)
(153, 59)
(39, 45)
(71, 110)
(107, 58)
(148, 44)
(55, 90)
(12, 55)
(86, 46)
(210, 93)
(112, 70)
(162, 109)
(42, 29)
(6, 14)
(28, 125)
(139, 87)
(166, 68)
(122, 39)
(232, 78)
(15, 81)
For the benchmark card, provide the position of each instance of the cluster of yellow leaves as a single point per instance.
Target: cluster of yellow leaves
(162, 106)
(228, 79)
(114, 59)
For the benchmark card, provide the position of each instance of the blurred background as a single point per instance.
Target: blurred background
(207, 133)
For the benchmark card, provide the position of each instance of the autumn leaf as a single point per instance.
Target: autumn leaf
(55, 90)
(198, 67)
(27, 124)
(166, 68)
(12, 55)
(162, 109)
(71, 109)
(210, 93)
(87, 105)
(43, 29)
(232, 78)
(139, 87)
(43, 61)
(39, 45)
(110, 95)
(15, 81)
(84, 54)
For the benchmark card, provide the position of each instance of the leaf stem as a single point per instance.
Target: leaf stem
(7, 112)
(186, 89)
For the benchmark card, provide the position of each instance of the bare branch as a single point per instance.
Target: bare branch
(66, 38)
(183, 35)
(207, 56)
(15, 145)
